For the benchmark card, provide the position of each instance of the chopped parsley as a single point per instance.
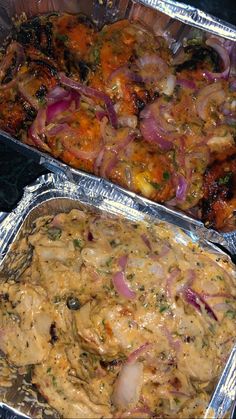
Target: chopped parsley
(166, 175)
(62, 37)
(164, 308)
(231, 314)
(156, 185)
(225, 179)
(77, 243)
(54, 233)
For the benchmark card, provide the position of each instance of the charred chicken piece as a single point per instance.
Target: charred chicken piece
(219, 201)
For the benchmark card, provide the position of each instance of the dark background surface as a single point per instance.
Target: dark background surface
(16, 170)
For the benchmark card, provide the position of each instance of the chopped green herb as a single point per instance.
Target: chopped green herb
(54, 381)
(49, 370)
(130, 276)
(114, 243)
(156, 185)
(62, 37)
(212, 329)
(142, 288)
(77, 243)
(96, 55)
(231, 314)
(163, 308)
(166, 175)
(177, 401)
(224, 180)
(109, 261)
(56, 299)
(54, 233)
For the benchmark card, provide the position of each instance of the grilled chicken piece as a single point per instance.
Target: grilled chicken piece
(57, 383)
(219, 201)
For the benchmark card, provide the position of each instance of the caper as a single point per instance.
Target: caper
(73, 303)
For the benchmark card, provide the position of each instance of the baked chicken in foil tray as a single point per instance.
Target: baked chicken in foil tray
(108, 312)
(140, 94)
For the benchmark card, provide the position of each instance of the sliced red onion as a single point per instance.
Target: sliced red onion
(222, 307)
(106, 169)
(146, 241)
(98, 161)
(56, 94)
(170, 281)
(13, 49)
(163, 252)
(55, 109)
(140, 411)
(181, 189)
(79, 154)
(119, 282)
(151, 134)
(174, 343)
(179, 393)
(217, 295)
(123, 144)
(37, 129)
(127, 72)
(212, 92)
(128, 385)
(195, 299)
(224, 55)
(101, 114)
(90, 92)
(55, 129)
(189, 84)
(122, 262)
(106, 166)
(152, 68)
(134, 356)
(130, 121)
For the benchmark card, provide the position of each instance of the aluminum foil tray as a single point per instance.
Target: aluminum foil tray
(51, 195)
(173, 20)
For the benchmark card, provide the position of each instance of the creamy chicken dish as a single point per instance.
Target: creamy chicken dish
(119, 319)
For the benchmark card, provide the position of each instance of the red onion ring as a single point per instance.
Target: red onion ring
(170, 280)
(224, 55)
(37, 129)
(134, 356)
(79, 154)
(121, 286)
(151, 134)
(56, 108)
(56, 94)
(217, 295)
(152, 68)
(146, 241)
(105, 167)
(181, 189)
(127, 72)
(189, 84)
(194, 299)
(122, 262)
(90, 92)
(207, 94)
(174, 343)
